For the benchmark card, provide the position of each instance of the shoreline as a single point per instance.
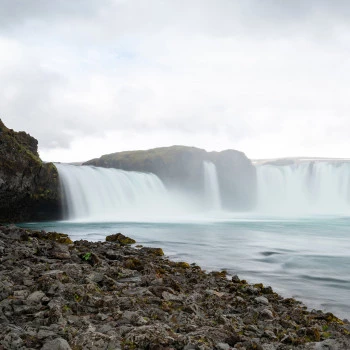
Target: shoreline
(55, 292)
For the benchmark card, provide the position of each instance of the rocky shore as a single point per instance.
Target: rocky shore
(60, 295)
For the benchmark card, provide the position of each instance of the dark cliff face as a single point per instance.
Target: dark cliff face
(182, 167)
(237, 179)
(29, 189)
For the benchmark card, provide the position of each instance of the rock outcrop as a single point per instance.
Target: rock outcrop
(181, 167)
(29, 188)
(56, 294)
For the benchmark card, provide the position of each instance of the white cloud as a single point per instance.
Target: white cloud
(98, 77)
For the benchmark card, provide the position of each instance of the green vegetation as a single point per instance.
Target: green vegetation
(86, 256)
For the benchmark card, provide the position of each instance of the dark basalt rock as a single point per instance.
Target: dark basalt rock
(181, 167)
(29, 188)
(60, 295)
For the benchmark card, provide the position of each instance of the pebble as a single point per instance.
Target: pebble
(56, 297)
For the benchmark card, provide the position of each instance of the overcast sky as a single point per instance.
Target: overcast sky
(270, 78)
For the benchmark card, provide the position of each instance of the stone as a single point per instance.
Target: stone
(56, 344)
(20, 294)
(36, 297)
(60, 251)
(160, 306)
(222, 346)
(267, 314)
(262, 300)
(121, 239)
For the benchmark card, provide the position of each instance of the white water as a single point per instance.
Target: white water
(304, 189)
(211, 187)
(300, 189)
(100, 194)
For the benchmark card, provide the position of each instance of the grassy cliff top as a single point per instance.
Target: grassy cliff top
(18, 144)
(160, 152)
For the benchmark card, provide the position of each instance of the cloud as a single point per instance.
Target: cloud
(263, 77)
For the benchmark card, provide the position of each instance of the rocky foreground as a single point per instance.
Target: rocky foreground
(60, 295)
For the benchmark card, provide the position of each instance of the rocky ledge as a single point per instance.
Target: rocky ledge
(29, 188)
(60, 295)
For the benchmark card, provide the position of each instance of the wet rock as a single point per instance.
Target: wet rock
(152, 251)
(121, 239)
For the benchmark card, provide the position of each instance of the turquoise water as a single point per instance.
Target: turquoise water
(307, 258)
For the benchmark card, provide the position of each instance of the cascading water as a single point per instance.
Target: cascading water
(301, 188)
(211, 187)
(313, 187)
(100, 194)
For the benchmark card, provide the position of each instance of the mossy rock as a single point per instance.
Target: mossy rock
(183, 265)
(152, 251)
(53, 236)
(30, 187)
(133, 264)
(121, 239)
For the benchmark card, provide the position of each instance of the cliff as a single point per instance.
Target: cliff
(29, 188)
(181, 167)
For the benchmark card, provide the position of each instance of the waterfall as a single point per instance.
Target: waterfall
(100, 194)
(311, 187)
(302, 188)
(211, 187)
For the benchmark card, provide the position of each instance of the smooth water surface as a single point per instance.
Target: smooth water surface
(306, 258)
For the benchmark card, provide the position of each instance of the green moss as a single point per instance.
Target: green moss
(133, 264)
(121, 239)
(330, 318)
(183, 265)
(157, 252)
(66, 308)
(53, 236)
(128, 345)
(78, 298)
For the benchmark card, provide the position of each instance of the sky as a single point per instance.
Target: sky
(270, 78)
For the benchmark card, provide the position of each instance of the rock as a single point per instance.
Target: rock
(45, 333)
(141, 300)
(20, 294)
(267, 314)
(152, 251)
(36, 297)
(269, 334)
(222, 346)
(29, 188)
(60, 251)
(121, 239)
(262, 300)
(57, 344)
(235, 279)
